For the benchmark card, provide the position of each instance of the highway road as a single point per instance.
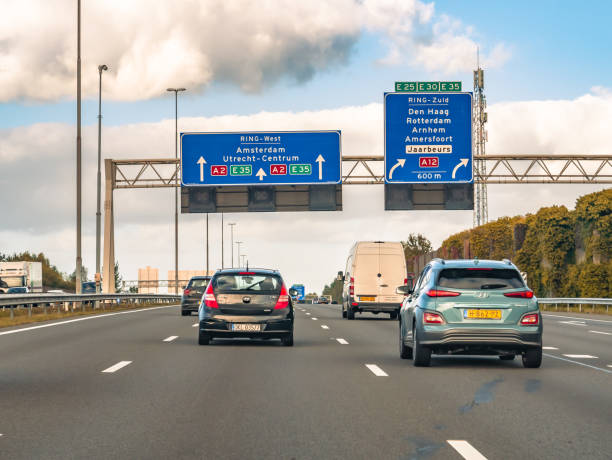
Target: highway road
(137, 385)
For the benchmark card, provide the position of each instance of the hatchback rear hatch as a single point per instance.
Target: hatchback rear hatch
(247, 293)
(195, 288)
(480, 295)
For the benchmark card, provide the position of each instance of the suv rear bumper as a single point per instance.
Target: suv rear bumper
(474, 338)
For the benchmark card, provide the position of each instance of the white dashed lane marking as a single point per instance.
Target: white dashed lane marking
(601, 332)
(377, 371)
(171, 338)
(117, 366)
(549, 348)
(308, 314)
(609, 365)
(314, 319)
(581, 356)
(324, 326)
(342, 341)
(195, 325)
(466, 450)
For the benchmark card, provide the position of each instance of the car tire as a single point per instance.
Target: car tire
(507, 357)
(405, 352)
(421, 356)
(532, 358)
(185, 313)
(343, 312)
(203, 339)
(350, 313)
(393, 315)
(287, 340)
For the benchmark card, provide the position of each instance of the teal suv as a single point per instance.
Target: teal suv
(470, 307)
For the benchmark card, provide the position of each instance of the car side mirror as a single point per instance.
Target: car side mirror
(340, 276)
(183, 286)
(293, 292)
(404, 290)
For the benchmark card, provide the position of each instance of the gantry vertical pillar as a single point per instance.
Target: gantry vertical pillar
(108, 262)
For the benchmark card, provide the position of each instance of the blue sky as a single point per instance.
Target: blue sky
(559, 51)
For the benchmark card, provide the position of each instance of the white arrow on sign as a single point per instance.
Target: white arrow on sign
(201, 162)
(463, 162)
(320, 160)
(400, 163)
(261, 174)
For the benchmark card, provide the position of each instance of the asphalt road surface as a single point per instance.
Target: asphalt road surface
(137, 385)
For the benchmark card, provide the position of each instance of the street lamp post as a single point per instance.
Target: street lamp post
(176, 91)
(243, 259)
(222, 264)
(207, 245)
(238, 243)
(232, 224)
(79, 261)
(101, 68)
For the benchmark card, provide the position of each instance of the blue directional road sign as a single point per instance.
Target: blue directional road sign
(261, 158)
(428, 137)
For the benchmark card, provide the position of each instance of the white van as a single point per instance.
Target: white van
(374, 269)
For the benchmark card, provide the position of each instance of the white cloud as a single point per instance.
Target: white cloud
(37, 164)
(152, 44)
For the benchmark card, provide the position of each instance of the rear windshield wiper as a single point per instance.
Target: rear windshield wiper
(493, 286)
(253, 285)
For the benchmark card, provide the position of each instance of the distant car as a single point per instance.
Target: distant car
(251, 304)
(192, 294)
(470, 307)
(323, 299)
(18, 290)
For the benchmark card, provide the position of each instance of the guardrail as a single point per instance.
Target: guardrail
(70, 301)
(577, 301)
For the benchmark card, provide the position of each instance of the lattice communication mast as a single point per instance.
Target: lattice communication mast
(481, 207)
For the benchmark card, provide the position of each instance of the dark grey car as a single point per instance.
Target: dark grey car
(252, 304)
(192, 294)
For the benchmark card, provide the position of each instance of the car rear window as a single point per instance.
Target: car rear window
(198, 282)
(247, 283)
(480, 278)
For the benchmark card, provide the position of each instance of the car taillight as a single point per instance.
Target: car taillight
(532, 319)
(432, 318)
(352, 286)
(283, 299)
(441, 293)
(522, 294)
(405, 281)
(209, 297)
(186, 292)
(355, 304)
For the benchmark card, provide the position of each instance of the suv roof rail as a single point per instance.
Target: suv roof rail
(438, 259)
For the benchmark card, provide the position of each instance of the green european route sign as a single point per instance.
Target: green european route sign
(241, 170)
(300, 170)
(428, 86)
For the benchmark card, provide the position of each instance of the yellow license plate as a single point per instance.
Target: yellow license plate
(367, 299)
(482, 314)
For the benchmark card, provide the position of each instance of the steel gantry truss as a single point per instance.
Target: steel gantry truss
(359, 170)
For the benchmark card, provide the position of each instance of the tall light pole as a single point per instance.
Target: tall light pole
(243, 259)
(207, 252)
(101, 68)
(238, 243)
(79, 262)
(176, 91)
(232, 224)
(222, 264)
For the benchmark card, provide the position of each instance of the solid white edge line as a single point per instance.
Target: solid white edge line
(601, 332)
(171, 338)
(549, 348)
(580, 356)
(323, 326)
(116, 367)
(579, 319)
(577, 362)
(104, 315)
(377, 371)
(466, 450)
(342, 341)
